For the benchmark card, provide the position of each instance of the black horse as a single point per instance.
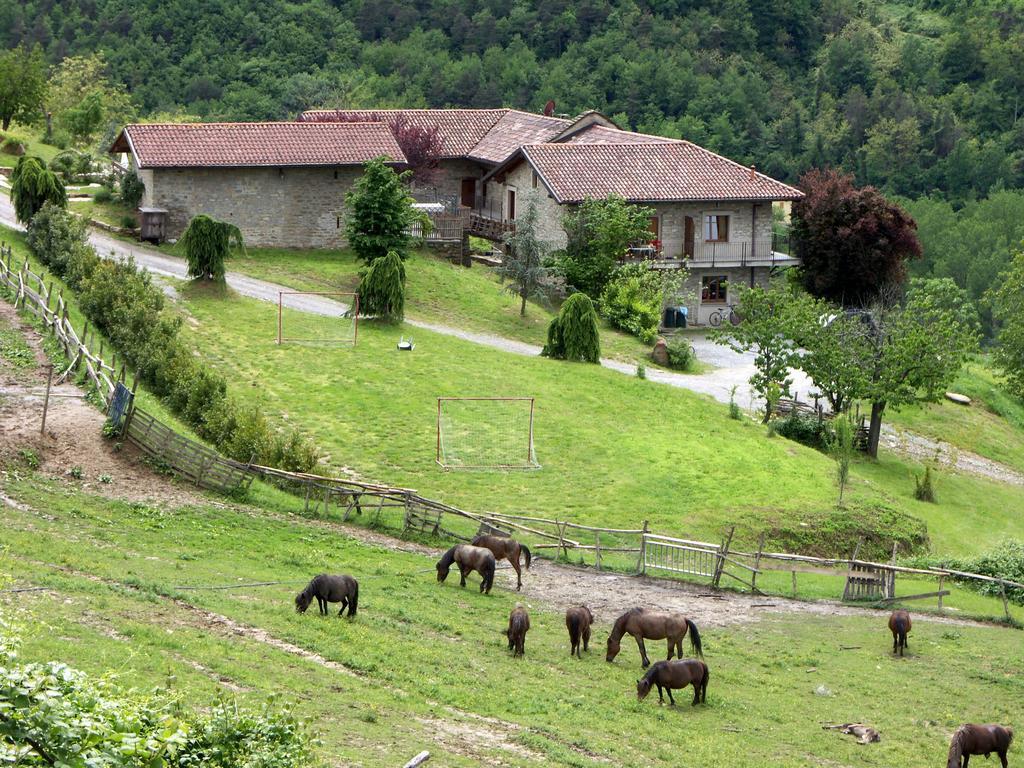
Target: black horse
(329, 589)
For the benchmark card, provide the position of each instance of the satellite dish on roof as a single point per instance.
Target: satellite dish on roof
(549, 108)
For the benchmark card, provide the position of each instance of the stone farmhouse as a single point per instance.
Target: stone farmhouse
(283, 184)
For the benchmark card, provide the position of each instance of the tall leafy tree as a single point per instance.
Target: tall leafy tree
(85, 102)
(917, 347)
(22, 85)
(32, 186)
(207, 244)
(853, 243)
(379, 212)
(1008, 307)
(834, 350)
(599, 233)
(523, 268)
(769, 328)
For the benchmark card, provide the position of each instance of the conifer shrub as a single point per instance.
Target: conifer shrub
(382, 289)
(573, 334)
(32, 186)
(207, 243)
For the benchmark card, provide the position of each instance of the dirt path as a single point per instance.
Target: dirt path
(926, 449)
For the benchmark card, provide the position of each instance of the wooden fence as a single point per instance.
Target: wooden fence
(187, 458)
(631, 549)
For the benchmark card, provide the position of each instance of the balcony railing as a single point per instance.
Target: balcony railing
(747, 253)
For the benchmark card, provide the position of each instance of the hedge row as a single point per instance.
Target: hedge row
(120, 300)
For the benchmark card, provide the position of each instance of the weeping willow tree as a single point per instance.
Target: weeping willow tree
(382, 289)
(207, 243)
(573, 334)
(32, 186)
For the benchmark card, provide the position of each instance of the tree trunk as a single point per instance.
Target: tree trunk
(522, 307)
(6, 123)
(875, 429)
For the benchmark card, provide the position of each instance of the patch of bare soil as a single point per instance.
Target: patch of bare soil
(479, 740)
(926, 449)
(73, 436)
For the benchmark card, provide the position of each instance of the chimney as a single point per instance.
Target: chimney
(753, 173)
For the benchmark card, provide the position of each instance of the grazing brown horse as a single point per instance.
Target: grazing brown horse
(518, 626)
(653, 625)
(505, 549)
(468, 558)
(329, 589)
(899, 625)
(675, 674)
(973, 739)
(578, 619)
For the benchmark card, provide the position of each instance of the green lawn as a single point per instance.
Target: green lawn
(110, 212)
(437, 292)
(33, 146)
(422, 663)
(992, 426)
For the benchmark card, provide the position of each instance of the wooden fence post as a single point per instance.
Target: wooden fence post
(597, 550)
(641, 566)
(1006, 606)
(757, 563)
(794, 583)
(942, 576)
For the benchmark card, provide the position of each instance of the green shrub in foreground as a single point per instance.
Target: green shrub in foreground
(632, 300)
(573, 334)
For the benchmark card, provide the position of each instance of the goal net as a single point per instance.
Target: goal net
(317, 317)
(485, 433)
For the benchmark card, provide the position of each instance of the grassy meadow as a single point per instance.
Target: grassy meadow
(424, 665)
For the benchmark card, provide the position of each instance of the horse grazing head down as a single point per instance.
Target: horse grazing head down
(613, 648)
(643, 687)
(302, 600)
(444, 565)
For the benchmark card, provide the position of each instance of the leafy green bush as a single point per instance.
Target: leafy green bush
(1006, 561)
(632, 300)
(54, 714)
(103, 195)
(56, 236)
(680, 353)
(72, 165)
(573, 334)
(12, 146)
(131, 189)
(808, 430)
(128, 221)
(923, 488)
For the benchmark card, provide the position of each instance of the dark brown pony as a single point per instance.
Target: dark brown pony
(578, 619)
(518, 626)
(329, 589)
(468, 558)
(973, 739)
(899, 625)
(675, 674)
(505, 549)
(654, 625)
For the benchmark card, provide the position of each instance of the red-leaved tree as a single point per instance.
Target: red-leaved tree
(853, 243)
(421, 144)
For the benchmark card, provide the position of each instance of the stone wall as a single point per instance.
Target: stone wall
(549, 213)
(700, 311)
(446, 183)
(277, 207)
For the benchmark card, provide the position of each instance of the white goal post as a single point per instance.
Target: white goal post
(345, 331)
(485, 433)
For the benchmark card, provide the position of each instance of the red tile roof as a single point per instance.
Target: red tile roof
(657, 171)
(600, 134)
(208, 145)
(513, 130)
(460, 129)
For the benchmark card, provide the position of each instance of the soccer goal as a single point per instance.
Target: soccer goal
(307, 325)
(485, 433)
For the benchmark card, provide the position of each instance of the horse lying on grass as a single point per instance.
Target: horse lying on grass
(518, 626)
(578, 619)
(675, 674)
(468, 558)
(973, 739)
(653, 625)
(329, 589)
(505, 549)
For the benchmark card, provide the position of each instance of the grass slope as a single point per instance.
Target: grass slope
(32, 146)
(437, 292)
(424, 662)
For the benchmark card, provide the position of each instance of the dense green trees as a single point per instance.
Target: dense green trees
(22, 85)
(1008, 300)
(912, 98)
(379, 212)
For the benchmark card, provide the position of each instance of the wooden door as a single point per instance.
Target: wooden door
(511, 205)
(469, 193)
(688, 237)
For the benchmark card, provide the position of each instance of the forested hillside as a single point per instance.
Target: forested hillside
(917, 98)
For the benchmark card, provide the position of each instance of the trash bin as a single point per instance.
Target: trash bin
(669, 320)
(681, 316)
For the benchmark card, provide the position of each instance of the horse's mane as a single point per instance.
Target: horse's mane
(649, 674)
(308, 590)
(956, 746)
(621, 621)
(448, 557)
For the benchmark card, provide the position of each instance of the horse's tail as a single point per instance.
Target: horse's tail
(695, 644)
(526, 554)
(901, 630)
(488, 572)
(354, 602)
(1009, 737)
(704, 683)
(574, 629)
